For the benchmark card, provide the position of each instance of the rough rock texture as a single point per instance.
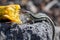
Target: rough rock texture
(37, 31)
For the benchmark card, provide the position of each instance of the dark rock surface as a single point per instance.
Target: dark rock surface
(37, 31)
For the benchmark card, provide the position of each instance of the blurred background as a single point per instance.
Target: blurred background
(49, 7)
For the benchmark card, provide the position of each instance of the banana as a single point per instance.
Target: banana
(11, 12)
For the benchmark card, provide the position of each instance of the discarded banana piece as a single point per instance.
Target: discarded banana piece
(10, 12)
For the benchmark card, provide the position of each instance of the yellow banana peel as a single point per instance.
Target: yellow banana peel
(11, 12)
